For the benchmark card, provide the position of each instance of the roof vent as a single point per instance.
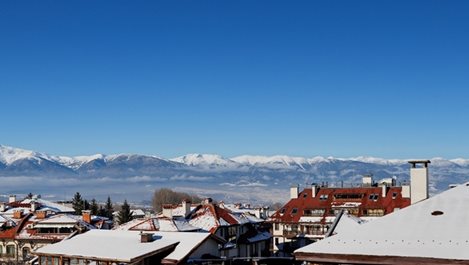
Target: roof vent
(436, 213)
(146, 237)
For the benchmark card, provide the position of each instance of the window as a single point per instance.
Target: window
(276, 241)
(305, 195)
(348, 196)
(394, 195)
(282, 211)
(323, 197)
(374, 197)
(314, 212)
(276, 226)
(26, 253)
(294, 210)
(10, 250)
(373, 212)
(1, 250)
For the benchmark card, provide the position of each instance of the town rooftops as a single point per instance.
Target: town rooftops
(108, 245)
(433, 231)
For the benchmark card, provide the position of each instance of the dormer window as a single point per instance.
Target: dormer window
(323, 197)
(374, 197)
(294, 210)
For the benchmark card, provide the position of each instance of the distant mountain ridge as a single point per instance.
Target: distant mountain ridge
(247, 177)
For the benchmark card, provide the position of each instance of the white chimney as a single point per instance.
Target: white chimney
(2, 207)
(294, 192)
(405, 191)
(186, 207)
(418, 180)
(384, 190)
(367, 181)
(12, 198)
(314, 190)
(168, 211)
(34, 206)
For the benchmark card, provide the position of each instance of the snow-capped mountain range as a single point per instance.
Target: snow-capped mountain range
(248, 178)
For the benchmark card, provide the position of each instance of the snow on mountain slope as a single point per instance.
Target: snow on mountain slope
(204, 160)
(30, 170)
(460, 161)
(9, 155)
(272, 160)
(375, 160)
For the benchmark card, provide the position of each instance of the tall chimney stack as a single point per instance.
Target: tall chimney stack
(86, 216)
(418, 180)
(12, 198)
(294, 190)
(186, 207)
(367, 180)
(314, 190)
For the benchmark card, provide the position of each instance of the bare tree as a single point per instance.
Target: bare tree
(168, 196)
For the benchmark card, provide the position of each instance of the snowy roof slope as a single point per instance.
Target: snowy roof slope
(123, 246)
(347, 222)
(419, 230)
(48, 205)
(188, 241)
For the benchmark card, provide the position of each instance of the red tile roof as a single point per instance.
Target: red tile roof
(329, 198)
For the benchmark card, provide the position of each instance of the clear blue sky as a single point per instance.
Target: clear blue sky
(341, 78)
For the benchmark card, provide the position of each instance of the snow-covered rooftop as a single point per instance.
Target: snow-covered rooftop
(346, 223)
(48, 205)
(188, 241)
(122, 246)
(157, 224)
(435, 228)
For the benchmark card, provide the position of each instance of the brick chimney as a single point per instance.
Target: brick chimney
(17, 214)
(146, 237)
(41, 214)
(86, 215)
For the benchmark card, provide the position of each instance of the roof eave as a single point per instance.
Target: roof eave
(368, 259)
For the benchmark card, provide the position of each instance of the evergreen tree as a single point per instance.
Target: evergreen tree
(125, 214)
(102, 211)
(86, 205)
(77, 203)
(94, 207)
(109, 209)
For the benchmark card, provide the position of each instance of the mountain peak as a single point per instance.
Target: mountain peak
(203, 159)
(10, 154)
